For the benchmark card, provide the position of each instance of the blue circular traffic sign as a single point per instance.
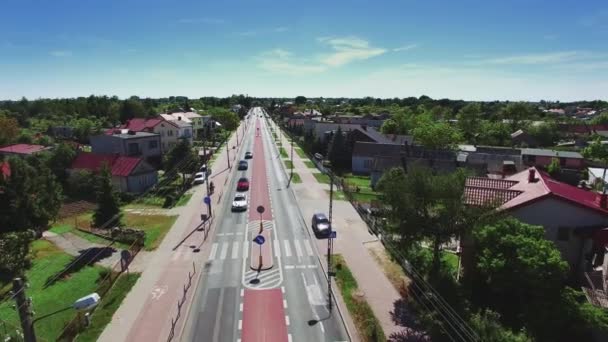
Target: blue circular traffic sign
(207, 200)
(259, 240)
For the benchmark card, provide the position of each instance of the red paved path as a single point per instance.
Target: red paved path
(264, 316)
(259, 186)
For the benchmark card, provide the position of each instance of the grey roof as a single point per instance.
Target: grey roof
(137, 135)
(550, 153)
(371, 149)
(181, 123)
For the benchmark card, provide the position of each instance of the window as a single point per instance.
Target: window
(562, 162)
(153, 144)
(367, 163)
(563, 233)
(133, 149)
(170, 133)
(531, 159)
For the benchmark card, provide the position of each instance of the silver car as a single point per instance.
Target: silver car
(239, 203)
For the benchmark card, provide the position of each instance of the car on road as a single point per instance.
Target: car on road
(199, 178)
(243, 184)
(243, 165)
(239, 203)
(248, 155)
(320, 226)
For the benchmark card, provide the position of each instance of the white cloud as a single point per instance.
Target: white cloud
(539, 58)
(281, 29)
(405, 47)
(61, 53)
(348, 49)
(281, 61)
(211, 21)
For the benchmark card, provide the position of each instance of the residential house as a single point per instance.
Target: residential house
(22, 149)
(572, 217)
(522, 138)
(129, 144)
(370, 121)
(490, 161)
(380, 165)
(542, 158)
(364, 154)
(129, 174)
(167, 130)
(196, 120)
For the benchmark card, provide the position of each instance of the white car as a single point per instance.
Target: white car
(199, 178)
(239, 203)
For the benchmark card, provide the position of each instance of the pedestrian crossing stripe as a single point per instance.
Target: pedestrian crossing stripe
(226, 250)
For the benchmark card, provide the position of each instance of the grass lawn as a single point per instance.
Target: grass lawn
(48, 260)
(296, 178)
(451, 260)
(361, 181)
(155, 226)
(364, 197)
(367, 324)
(283, 152)
(183, 200)
(288, 164)
(147, 202)
(301, 153)
(338, 195)
(108, 305)
(321, 178)
(309, 164)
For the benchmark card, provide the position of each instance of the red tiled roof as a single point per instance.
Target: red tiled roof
(123, 166)
(141, 125)
(5, 169)
(119, 166)
(22, 148)
(516, 191)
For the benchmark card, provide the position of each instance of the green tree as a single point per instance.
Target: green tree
(30, 197)
(339, 153)
(488, 327)
(107, 214)
(546, 134)
(300, 100)
(9, 130)
(15, 250)
(516, 112)
(554, 167)
(435, 134)
(598, 151)
(60, 160)
(182, 157)
(389, 127)
(132, 108)
(81, 185)
(227, 118)
(494, 134)
(469, 121)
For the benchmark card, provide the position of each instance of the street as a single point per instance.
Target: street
(283, 298)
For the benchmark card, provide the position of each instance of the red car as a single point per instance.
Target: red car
(243, 184)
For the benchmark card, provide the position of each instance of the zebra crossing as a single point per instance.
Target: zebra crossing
(231, 250)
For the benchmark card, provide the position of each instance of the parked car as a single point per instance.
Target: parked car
(248, 155)
(243, 184)
(239, 203)
(199, 178)
(320, 225)
(243, 165)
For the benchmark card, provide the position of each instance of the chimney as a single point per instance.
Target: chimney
(131, 132)
(531, 175)
(602, 200)
(179, 118)
(364, 127)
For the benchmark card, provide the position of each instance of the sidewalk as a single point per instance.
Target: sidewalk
(352, 235)
(151, 310)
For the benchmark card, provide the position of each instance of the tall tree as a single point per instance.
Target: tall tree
(300, 100)
(60, 160)
(469, 120)
(9, 130)
(515, 112)
(339, 152)
(30, 196)
(435, 134)
(182, 157)
(107, 214)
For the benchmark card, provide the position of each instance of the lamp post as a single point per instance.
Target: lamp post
(291, 176)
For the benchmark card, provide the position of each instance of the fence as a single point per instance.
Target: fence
(180, 303)
(78, 323)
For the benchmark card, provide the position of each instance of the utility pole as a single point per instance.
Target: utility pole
(25, 310)
(207, 178)
(228, 152)
(291, 176)
(330, 243)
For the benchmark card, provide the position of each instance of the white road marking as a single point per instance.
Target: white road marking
(277, 251)
(298, 249)
(241, 307)
(224, 251)
(308, 247)
(235, 249)
(159, 291)
(301, 266)
(283, 289)
(289, 267)
(284, 303)
(288, 338)
(287, 320)
(322, 327)
(213, 251)
(287, 248)
(312, 266)
(240, 324)
(242, 292)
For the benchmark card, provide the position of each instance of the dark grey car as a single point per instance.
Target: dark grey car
(320, 225)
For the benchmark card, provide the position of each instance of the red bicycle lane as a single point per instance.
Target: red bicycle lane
(263, 312)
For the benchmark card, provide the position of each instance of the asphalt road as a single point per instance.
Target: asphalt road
(226, 305)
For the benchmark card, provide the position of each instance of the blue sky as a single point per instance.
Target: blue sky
(466, 49)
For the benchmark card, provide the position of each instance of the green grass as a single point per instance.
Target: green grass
(108, 305)
(451, 260)
(321, 178)
(338, 195)
(309, 164)
(296, 178)
(61, 229)
(364, 197)
(48, 260)
(148, 201)
(361, 181)
(283, 152)
(288, 164)
(155, 226)
(367, 324)
(183, 200)
(302, 154)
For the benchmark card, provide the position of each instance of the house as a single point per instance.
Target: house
(129, 144)
(61, 132)
(380, 165)
(596, 177)
(572, 217)
(168, 130)
(542, 158)
(365, 152)
(22, 149)
(196, 120)
(129, 174)
(490, 161)
(522, 138)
